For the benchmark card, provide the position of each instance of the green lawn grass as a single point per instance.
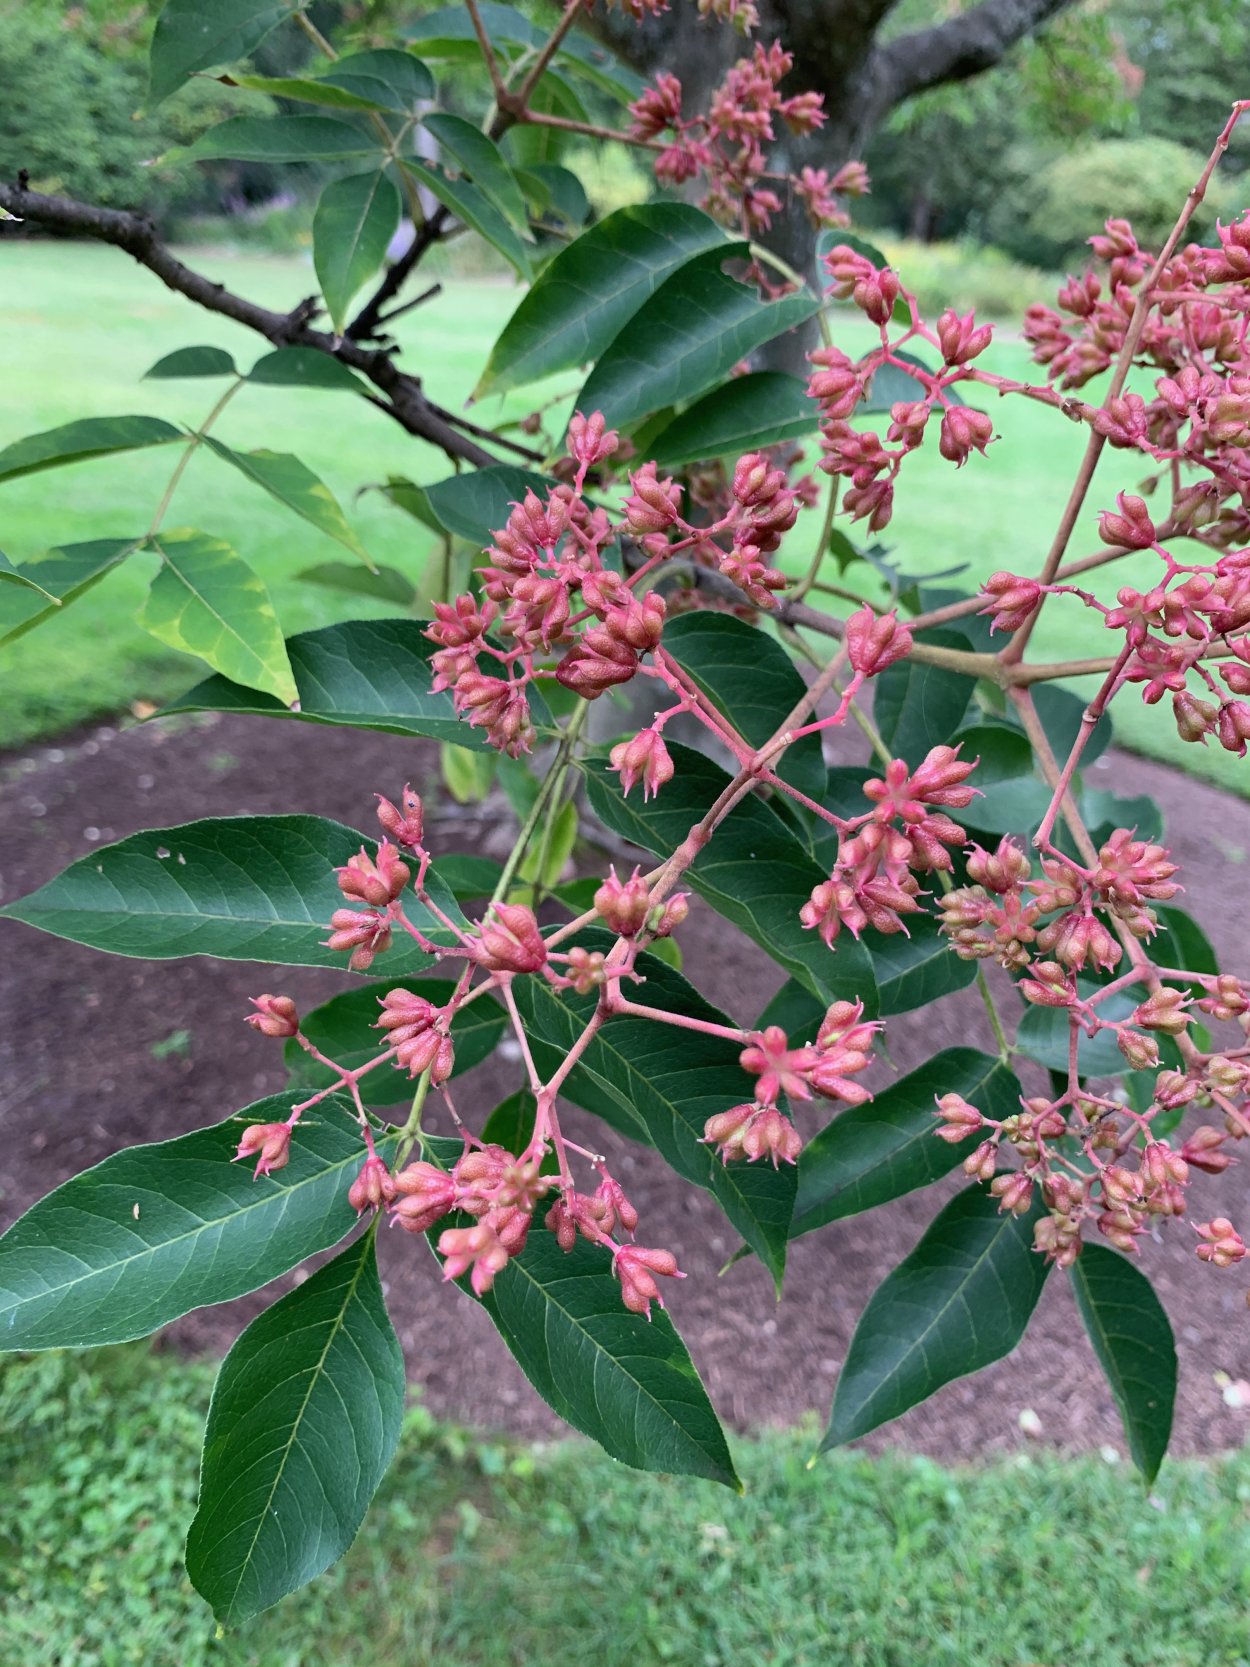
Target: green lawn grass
(493, 1553)
(85, 322)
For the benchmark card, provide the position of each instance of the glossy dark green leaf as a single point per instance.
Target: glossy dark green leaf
(304, 1420)
(352, 229)
(748, 412)
(753, 871)
(686, 337)
(386, 75)
(192, 361)
(1181, 942)
(304, 90)
(478, 157)
(1102, 812)
(240, 888)
(660, 1084)
(914, 970)
(155, 1231)
(1135, 1347)
(468, 202)
(872, 1153)
(1013, 799)
(627, 1383)
(192, 35)
(383, 584)
(473, 506)
(342, 1028)
(961, 1300)
(566, 195)
(78, 441)
(66, 574)
(584, 297)
(368, 674)
(511, 1124)
(304, 367)
(206, 600)
(1061, 712)
(753, 681)
(13, 578)
(283, 139)
(293, 483)
(917, 707)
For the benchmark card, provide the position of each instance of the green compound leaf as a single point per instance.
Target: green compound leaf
(754, 872)
(282, 139)
(872, 1153)
(660, 1084)
(304, 367)
(240, 888)
(293, 483)
(355, 221)
(627, 1383)
(64, 574)
(961, 1300)
(751, 411)
(192, 362)
(591, 289)
(192, 35)
(917, 707)
(478, 211)
(79, 441)
(1133, 1341)
(304, 1421)
(479, 157)
(473, 506)
(155, 1231)
(685, 337)
(207, 601)
(367, 674)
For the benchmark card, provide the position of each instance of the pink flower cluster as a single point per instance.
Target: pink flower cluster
(839, 384)
(842, 1049)
(726, 144)
(874, 882)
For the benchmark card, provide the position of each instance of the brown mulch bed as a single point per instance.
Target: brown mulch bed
(83, 1072)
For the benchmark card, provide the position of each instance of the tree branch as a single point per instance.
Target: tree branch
(402, 398)
(962, 47)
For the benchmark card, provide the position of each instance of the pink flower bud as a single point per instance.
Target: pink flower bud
(1203, 1150)
(1164, 1011)
(964, 431)
(1234, 726)
(624, 907)
(962, 339)
(275, 1016)
(366, 935)
(372, 1188)
(1011, 600)
(374, 880)
(1141, 1053)
(590, 440)
(981, 1163)
(635, 1268)
(654, 504)
(1132, 527)
(475, 1248)
(851, 180)
(770, 1135)
(1195, 719)
(875, 642)
(510, 939)
(1222, 1244)
(644, 758)
(958, 1118)
(272, 1141)
(1014, 1192)
(404, 826)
